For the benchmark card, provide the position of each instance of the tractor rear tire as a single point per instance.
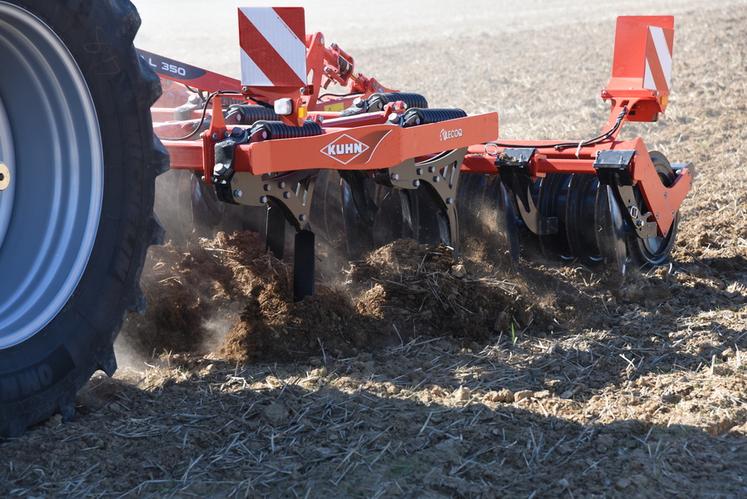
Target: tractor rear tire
(42, 368)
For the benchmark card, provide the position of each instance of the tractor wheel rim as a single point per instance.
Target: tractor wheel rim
(58, 175)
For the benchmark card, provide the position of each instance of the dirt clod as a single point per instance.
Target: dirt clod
(523, 395)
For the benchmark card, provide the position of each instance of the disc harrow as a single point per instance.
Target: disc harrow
(303, 149)
(364, 165)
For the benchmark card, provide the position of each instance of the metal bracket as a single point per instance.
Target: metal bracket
(293, 192)
(643, 223)
(513, 166)
(223, 170)
(518, 157)
(441, 175)
(613, 169)
(185, 111)
(678, 167)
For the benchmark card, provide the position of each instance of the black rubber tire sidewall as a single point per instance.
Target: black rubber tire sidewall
(43, 374)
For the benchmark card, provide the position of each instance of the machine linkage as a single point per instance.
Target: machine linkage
(394, 168)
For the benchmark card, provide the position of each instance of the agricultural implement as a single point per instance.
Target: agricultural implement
(302, 147)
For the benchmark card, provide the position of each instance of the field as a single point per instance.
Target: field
(415, 374)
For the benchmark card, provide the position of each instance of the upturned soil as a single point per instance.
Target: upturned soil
(414, 373)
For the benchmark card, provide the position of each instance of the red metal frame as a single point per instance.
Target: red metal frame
(386, 145)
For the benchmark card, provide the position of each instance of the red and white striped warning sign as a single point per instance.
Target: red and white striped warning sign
(273, 48)
(658, 72)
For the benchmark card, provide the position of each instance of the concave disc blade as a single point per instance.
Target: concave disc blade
(581, 219)
(327, 216)
(487, 217)
(610, 233)
(553, 196)
(187, 208)
(398, 215)
(173, 205)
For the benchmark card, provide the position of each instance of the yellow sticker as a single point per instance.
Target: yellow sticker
(335, 107)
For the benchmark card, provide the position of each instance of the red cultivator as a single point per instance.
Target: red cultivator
(302, 144)
(405, 170)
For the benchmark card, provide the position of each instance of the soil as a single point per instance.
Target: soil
(414, 373)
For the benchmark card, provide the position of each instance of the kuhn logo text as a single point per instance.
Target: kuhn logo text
(344, 149)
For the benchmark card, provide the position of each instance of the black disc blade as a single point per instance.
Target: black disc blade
(581, 219)
(173, 205)
(487, 217)
(431, 221)
(610, 233)
(553, 197)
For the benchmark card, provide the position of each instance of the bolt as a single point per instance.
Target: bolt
(416, 183)
(419, 171)
(302, 217)
(264, 199)
(639, 223)
(286, 195)
(395, 176)
(282, 185)
(267, 187)
(238, 194)
(437, 179)
(449, 201)
(215, 137)
(431, 169)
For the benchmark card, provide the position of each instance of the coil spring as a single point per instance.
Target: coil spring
(248, 115)
(415, 117)
(272, 130)
(377, 101)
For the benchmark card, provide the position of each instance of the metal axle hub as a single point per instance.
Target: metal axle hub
(4, 177)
